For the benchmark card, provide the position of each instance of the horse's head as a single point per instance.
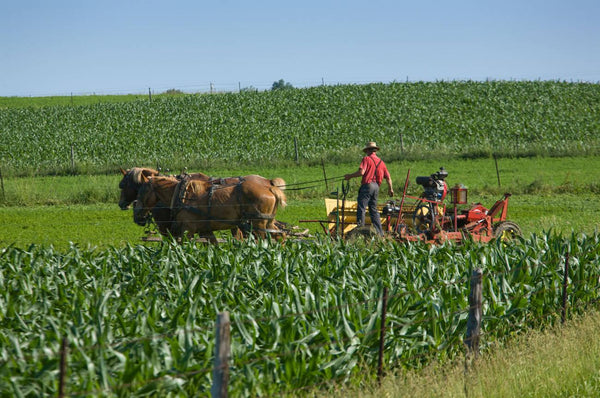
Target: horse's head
(128, 190)
(146, 199)
(131, 183)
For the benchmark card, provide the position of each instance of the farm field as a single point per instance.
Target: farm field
(411, 120)
(138, 319)
(548, 194)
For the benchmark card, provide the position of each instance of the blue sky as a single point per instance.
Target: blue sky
(116, 47)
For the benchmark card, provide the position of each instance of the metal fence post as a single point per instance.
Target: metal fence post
(2, 183)
(73, 158)
(296, 148)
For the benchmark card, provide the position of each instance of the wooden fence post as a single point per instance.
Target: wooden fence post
(63, 368)
(564, 292)
(382, 335)
(475, 312)
(222, 354)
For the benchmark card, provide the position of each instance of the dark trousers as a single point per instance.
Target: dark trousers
(367, 197)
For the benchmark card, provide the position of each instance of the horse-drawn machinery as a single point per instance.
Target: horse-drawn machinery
(249, 204)
(427, 218)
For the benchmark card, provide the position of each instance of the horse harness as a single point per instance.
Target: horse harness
(244, 223)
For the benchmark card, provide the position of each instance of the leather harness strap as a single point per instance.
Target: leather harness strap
(177, 203)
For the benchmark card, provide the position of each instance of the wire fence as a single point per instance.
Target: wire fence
(206, 87)
(215, 86)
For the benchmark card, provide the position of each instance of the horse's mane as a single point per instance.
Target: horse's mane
(197, 187)
(164, 181)
(137, 172)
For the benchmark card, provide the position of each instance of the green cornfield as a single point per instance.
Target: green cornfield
(411, 120)
(139, 321)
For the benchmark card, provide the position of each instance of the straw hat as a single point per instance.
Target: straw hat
(371, 145)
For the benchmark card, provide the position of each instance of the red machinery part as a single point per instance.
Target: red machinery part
(476, 213)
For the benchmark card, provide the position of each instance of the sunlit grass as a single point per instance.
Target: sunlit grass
(87, 225)
(562, 361)
(60, 209)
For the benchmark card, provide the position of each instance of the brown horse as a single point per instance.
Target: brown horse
(202, 207)
(132, 181)
(130, 185)
(161, 213)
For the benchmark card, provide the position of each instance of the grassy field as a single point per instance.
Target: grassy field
(548, 194)
(549, 363)
(73, 100)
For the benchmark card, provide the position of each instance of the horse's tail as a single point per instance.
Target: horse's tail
(277, 187)
(278, 182)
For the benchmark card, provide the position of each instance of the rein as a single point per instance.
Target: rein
(333, 179)
(314, 181)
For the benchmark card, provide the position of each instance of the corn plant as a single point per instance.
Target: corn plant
(140, 320)
(419, 120)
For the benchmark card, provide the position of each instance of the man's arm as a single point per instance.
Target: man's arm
(358, 173)
(390, 186)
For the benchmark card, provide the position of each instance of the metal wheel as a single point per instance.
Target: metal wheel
(507, 231)
(424, 217)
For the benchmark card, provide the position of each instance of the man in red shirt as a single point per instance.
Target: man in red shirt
(373, 171)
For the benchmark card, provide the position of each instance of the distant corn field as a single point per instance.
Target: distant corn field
(417, 120)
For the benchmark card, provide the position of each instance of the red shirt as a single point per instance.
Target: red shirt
(374, 169)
